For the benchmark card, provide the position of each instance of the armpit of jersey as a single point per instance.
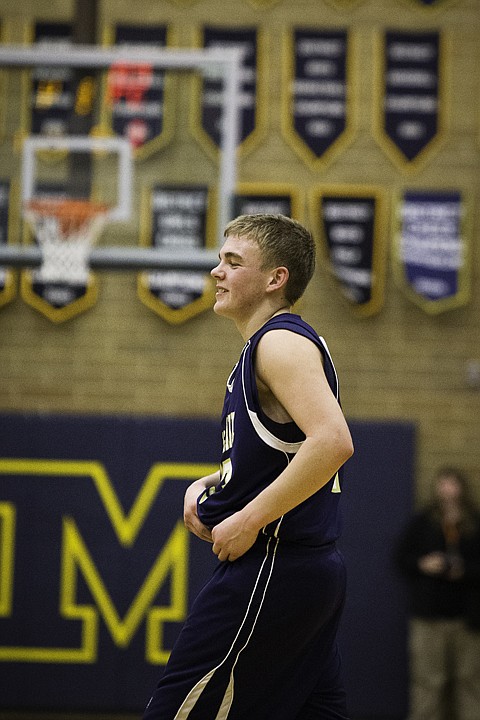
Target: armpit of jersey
(269, 438)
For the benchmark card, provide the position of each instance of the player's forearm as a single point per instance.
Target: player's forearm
(312, 467)
(190, 515)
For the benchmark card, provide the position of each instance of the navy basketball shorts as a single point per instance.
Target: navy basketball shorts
(260, 641)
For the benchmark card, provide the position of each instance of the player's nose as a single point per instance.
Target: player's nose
(217, 271)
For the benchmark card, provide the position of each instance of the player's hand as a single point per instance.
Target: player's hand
(190, 517)
(231, 538)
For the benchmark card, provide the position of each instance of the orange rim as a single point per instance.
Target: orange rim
(81, 209)
(71, 214)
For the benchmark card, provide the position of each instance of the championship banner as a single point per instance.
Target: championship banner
(135, 97)
(267, 198)
(58, 301)
(431, 261)
(409, 118)
(317, 104)
(98, 571)
(352, 225)
(179, 217)
(49, 92)
(7, 285)
(208, 91)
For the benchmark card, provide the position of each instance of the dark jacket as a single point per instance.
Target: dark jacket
(438, 596)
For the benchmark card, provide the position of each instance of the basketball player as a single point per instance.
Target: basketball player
(260, 641)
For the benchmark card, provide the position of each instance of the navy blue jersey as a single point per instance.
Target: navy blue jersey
(255, 450)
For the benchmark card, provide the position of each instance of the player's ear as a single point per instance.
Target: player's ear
(279, 278)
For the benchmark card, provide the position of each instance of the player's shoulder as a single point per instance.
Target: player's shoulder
(288, 322)
(284, 348)
(284, 329)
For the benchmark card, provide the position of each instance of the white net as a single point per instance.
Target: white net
(65, 231)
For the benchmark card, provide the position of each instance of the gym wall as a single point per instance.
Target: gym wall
(398, 363)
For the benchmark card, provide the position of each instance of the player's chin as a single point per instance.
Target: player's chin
(219, 308)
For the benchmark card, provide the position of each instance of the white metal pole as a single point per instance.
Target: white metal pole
(104, 57)
(229, 141)
(27, 170)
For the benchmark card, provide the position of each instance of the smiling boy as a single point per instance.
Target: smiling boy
(260, 641)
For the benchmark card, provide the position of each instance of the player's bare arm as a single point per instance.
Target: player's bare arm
(192, 494)
(305, 397)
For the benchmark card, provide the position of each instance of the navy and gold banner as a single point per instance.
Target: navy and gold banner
(135, 98)
(352, 224)
(267, 198)
(59, 300)
(97, 568)
(432, 259)
(7, 284)
(317, 105)
(209, 91)
(177, 217)
(98, 571)
(48, 92)
(409, 122)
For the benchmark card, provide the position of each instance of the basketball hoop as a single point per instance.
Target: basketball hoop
(65, 231)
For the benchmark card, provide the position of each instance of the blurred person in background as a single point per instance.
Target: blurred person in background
(439, 555)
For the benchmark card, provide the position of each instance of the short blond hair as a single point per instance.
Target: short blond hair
(282, 242)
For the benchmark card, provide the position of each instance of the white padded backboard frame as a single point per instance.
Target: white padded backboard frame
(227, 61)
(81, 143)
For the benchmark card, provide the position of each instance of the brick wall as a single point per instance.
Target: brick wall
(401, 363)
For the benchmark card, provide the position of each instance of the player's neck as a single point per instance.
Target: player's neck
(249, 326)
